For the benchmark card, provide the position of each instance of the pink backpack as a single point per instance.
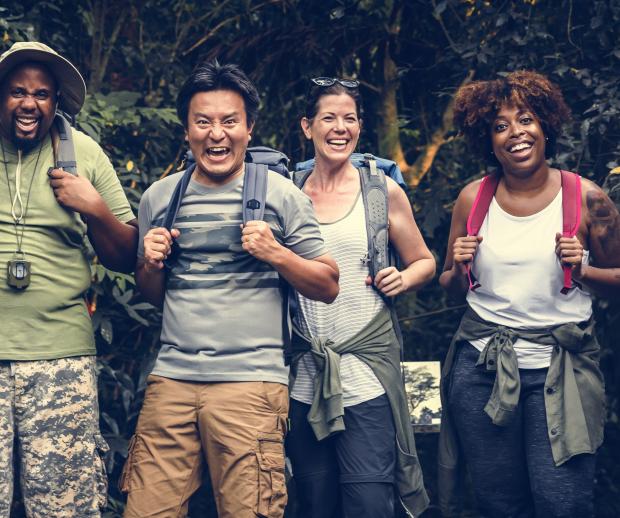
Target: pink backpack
(571, 215)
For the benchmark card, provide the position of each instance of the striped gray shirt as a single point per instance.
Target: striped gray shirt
(222, 317)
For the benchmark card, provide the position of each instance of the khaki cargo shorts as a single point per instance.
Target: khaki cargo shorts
(236, 428)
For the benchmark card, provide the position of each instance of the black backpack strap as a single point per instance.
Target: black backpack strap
(64, 157)
(375, 197)
(173, 209)
(177, 197)
(254, 191)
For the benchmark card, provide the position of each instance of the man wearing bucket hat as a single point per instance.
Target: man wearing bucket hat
(48, 390)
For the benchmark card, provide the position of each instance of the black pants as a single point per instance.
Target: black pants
(348, 475)
(511, 467)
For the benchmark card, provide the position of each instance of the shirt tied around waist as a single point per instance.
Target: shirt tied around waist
(377, 345)
(574, 390)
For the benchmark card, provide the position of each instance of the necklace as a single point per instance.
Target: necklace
(18, 268)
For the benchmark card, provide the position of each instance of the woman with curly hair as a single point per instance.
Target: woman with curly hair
(522, 391)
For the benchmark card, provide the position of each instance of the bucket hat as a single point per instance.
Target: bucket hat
(70, 82)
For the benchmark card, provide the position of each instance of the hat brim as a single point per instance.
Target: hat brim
(70, 82)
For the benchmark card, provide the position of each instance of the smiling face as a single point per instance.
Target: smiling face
(218, 134)
(27, 104)
(518, 140)
(335, 129)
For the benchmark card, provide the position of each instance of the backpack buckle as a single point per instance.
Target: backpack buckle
(253, 204)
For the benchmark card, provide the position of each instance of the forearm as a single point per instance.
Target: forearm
(455, 283)
(314, 279)
(151, 283)
(604, 282)
(418, 273)
(115, 243)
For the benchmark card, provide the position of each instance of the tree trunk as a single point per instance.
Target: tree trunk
(100, 52)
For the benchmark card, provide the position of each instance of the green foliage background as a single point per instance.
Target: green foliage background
(136, 53)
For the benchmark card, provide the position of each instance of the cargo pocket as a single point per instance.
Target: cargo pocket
(124, 483)
(100, 476)
(271, 484)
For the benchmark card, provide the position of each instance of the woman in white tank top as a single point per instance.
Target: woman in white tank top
(351, 473)
(528, 440)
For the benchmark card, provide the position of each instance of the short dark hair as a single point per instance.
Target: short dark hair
(316, 92)
(210, 75)
(477, 104)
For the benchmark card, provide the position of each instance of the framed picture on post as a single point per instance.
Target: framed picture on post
(422, 387)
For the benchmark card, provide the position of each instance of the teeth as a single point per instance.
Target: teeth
(519, 147)
(26, 120)
(337, 142)
(217, 150)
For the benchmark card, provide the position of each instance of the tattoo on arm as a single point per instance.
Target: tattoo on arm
(604, 227)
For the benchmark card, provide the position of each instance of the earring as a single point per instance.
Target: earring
(546, 139)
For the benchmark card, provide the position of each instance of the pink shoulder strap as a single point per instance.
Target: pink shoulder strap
(571, 215)
(478, 212)
(479, 209)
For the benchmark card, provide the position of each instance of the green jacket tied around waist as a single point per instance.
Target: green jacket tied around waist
(378, 346)
(574, 391)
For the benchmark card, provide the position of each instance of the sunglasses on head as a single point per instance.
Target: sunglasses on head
(330, 81)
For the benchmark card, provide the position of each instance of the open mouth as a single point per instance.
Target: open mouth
(521, 146)
(26, 123)
(338, 144)
(218, 152)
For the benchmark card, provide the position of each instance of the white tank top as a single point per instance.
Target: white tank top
(355, 306)
(521, 277)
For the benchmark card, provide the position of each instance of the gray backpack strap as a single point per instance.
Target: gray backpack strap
(300, 177)
(254, 196)
(65, 156)
(254, 192)
(375, 197)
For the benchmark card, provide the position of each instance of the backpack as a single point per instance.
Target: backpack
(258, 160)
(375, 198)
(571, 215)
(389, 167)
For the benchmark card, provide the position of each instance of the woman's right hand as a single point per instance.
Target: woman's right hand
(463, 252)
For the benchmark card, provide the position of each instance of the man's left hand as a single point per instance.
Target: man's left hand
(74, 192)
(257, 239)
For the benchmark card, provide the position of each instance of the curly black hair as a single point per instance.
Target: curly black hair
(477, 104)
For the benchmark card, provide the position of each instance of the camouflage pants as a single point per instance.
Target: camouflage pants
(50, 407)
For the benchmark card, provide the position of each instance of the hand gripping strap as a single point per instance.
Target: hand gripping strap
(254, 192)
(65, 155)
(478, 212)
(375, 197)
(571, 216)
(254, 196)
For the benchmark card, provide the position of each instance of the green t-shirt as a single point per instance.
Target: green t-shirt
(49, 319)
